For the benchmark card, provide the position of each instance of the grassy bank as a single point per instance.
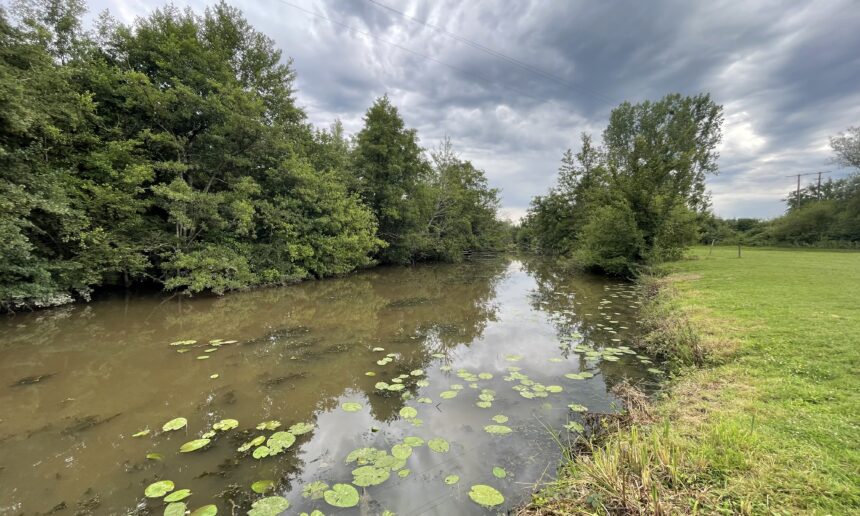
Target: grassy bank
(766, 422)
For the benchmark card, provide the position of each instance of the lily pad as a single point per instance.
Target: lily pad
(154, 456)
(367, 476)
(159, 489)
(484, 404)
(191, 446)
(447, 395)
(403, 473)
(141, 433)
(499, 472)
(401, 451)
(175, 509)
(280, 441)
(262, 486)
(175, 424)
(261, 452)
(554, 388)
(573, 426)
(315, 490)
(577, 408)
(269, 425)
(396, 387)
(370, 373)
(417, 372)
(269, 506)
(452, 479)
(178, 495)
(257, 441)
(341, 495)
(497, 429)
(485, 376)
(413, 441)
(424, 400)
(226, 424)
(351, 406)
(499, 418)
(206, 510)
(381, 386)
(378, 349)
(438, 445)
(300, 428)
(486, 496)
(408, 412)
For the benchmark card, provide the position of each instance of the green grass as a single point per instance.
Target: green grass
(771, 421)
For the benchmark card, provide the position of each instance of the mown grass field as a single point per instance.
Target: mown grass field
(770, 424)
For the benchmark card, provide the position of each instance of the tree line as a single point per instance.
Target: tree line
(817, 215)
(173, 151)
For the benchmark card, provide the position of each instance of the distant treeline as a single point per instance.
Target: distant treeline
(173, 151)
(826, 217)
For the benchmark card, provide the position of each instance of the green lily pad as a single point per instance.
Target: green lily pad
(191, 446)
(226, 424)
(499, 472)
(183, 343)
(369, 373)
(269, 506)
(206, 510)
(577, 408)
(499, 418)
(513, 358)
(341, 495)
(408, 412)
(300, 428)
(497, 429)
(351, 406)
(438, 445)
(159, 489)
(452, 479)
(401, 451)
(363, 455)
(423, 382)
(261, 452)
(262, 486)
(424, 400)
(175, 424)
(396, 387)
(154, 456)
(257, 441)
(486, 496)
(447, 395)
(484, 404)
(381, 386)
(141, 433)
(366, 476)
(175, 509)
(178, 495)
(315, 490)
(554, 388)
(269, 425)
(403, 473)
(413, 441)
(378, 349)
(445, 368)
(417, 372)
(280, 441)
(485, 376)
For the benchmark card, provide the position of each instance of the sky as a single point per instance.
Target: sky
(515, 83)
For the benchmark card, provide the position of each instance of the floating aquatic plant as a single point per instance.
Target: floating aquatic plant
(366, 476)
(351, 406)
(341, 495)
(401, 451)
(262, 486)
(269, 425)
(497, 429)
(573, 426)
(178, 495)
(300, 428)
(315, 490)
(577, 408)
(226, 424)
(408, 412)
(194, 445)
(447, 395)
(438, 445)
(159, 489)
(413, 441)
(499, 472)
(452, 479)
(280, 441)
(206, 510)
(141, 433)
(257, 441)
(499, 418)
(175, 424)
(269, 506)
(175, 509)
(486, 496)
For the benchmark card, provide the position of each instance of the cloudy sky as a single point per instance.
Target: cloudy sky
(514, 83)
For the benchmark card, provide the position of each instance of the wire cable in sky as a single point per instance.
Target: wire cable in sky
(495, 53)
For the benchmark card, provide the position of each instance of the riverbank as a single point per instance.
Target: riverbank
(761, 413)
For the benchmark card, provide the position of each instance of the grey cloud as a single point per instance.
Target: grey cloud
(786, 72)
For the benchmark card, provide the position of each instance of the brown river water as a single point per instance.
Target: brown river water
(76, 383)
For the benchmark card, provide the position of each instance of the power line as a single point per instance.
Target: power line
(818, 191)
(410, 51)
(500, 55)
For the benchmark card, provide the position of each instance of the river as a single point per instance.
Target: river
(478, 347)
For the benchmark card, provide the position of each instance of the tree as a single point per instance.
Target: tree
(846, 145)
(390, 171)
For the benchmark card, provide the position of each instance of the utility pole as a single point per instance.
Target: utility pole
(797, 192)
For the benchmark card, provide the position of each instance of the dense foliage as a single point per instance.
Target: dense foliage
(639, 197)
(174, 151)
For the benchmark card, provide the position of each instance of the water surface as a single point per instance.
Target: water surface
(78, 382)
